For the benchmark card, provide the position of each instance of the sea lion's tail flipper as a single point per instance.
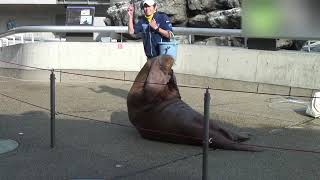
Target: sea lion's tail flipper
(221, 142)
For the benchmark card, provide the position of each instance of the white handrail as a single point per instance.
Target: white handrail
(124, 29)
(120, 29)
(13, 39)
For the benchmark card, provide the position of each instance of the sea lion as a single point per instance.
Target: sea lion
(156, 110)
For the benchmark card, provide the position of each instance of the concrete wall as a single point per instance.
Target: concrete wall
(30, 15)
(288, 68)
(283, 68)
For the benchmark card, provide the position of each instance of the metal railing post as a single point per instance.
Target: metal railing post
(245, 42)
(32, 38)
(205, 135)
(52, 108)
(13, 39)
(21, 38)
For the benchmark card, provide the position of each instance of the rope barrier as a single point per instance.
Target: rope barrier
(32, 67)
(154, 131)
(184, 86)
(157, 131)
(86, 75)
(25, 102)
(272, 94)
(87, 118)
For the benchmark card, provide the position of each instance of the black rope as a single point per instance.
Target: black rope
(188, 86)
(273, 94)
(194, 87)
(25, 102)
(127, 126)
(32, 67)
(87, 75)
(157, 131)
(185, 86)
(87, 118)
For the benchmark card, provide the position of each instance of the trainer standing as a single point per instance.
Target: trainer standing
(154, 26)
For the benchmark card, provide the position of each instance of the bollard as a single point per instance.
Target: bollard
(52, 108)
(205, 135)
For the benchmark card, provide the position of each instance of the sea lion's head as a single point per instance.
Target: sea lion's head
(166, 62)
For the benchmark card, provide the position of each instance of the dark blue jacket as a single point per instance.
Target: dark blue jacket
(150, 36)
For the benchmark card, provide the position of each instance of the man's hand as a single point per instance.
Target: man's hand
(131, 19)
(130, 11)
(154, 24)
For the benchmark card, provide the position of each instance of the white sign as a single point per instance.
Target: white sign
(86, 20)
(85, 12)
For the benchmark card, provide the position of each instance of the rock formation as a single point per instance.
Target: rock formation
(194, 13)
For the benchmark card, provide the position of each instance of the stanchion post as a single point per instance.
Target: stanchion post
(205, 135)
(52, 108)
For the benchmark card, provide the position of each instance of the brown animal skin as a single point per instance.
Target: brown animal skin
(155, 108)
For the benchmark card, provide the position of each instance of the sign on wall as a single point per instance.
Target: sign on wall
(80, 15)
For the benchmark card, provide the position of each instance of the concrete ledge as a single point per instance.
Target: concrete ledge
(28, 75)
(182, 79)
(273, 89)
(235, 85)
(90, 76)
(301, 92)
(130, 76)
(279, 68)
(226, 84)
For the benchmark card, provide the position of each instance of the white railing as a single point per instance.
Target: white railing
(118, 29)
(5, 36)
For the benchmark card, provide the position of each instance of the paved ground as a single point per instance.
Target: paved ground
(93, 148)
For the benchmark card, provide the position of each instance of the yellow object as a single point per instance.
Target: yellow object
(149, 18)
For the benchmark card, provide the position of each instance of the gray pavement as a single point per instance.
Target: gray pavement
(93, 148)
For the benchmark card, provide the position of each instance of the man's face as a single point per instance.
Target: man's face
(148, 10)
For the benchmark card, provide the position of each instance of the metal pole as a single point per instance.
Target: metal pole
(245, 42)
(52, 108)
(205, 135)
(32, 38)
